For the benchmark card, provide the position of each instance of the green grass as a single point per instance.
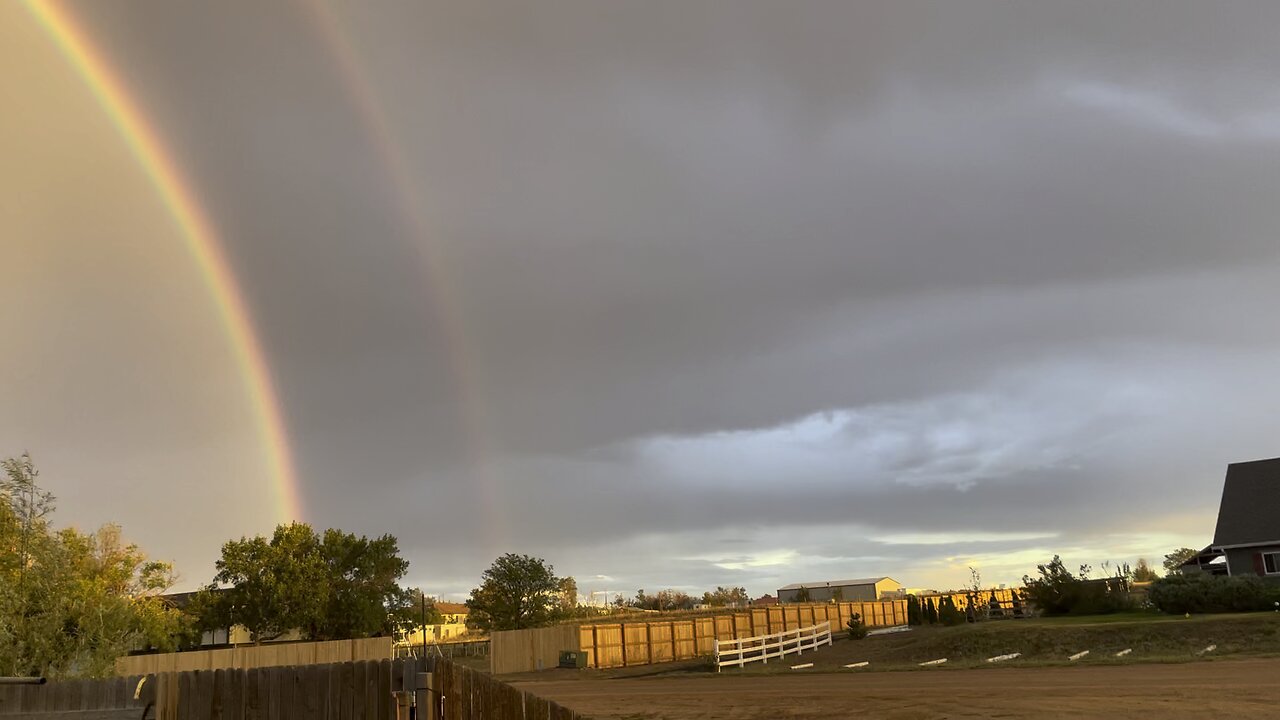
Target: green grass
(1049, 641)
(1152, 638)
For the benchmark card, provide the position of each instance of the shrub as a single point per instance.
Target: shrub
(857, 630)
(1202, 593)
(948, 613)
(914, 614)
(930, 611)
(1058, 592)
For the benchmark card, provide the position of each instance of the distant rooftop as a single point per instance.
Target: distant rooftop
(835, 583)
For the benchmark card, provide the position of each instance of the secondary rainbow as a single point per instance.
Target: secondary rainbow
(439, 285)
(197, 232)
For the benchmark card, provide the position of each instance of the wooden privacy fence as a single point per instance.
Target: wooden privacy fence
(729, 653)
(435, 689)
(257, 656)
(609, 645)
(982, 601)
(80, 699)
(466, 694)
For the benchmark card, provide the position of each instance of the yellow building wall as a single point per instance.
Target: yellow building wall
(444, 632)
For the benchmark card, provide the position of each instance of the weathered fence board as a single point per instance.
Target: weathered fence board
(251, 656)
(369, 690)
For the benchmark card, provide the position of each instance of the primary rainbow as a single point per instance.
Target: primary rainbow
(201, 239)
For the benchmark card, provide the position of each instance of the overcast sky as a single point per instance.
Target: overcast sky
(670, 293)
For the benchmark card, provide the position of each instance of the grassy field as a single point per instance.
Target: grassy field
(1049, 641)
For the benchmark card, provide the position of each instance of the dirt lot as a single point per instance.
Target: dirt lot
(1218, 689)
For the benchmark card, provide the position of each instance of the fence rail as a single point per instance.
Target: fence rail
(730, 653)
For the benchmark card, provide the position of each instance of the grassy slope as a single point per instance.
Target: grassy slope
(1043, 641)
(1152, 638)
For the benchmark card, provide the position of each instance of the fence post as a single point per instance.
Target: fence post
(648, 641)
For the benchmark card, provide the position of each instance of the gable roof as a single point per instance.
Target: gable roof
(835, 583)
(1250, 509)
(449, 608)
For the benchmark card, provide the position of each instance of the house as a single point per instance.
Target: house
(452, 625)
(765, 600)
(854, 590)
(1248, 531)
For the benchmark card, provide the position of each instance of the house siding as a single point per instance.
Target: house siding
(851, 593)
(1241, 561)
(866, 592)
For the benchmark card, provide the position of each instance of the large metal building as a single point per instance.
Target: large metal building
(855, 590)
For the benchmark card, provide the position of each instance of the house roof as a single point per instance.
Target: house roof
(835, 583)
(448, 608)
(1250, 509)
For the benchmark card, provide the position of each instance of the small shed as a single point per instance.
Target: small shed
(852, 590)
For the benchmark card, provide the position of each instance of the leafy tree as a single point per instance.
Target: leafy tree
(930, 611)
(802, 595)
(726, 596)
(1174, 559)
(663, 600)
(71, 602)
(568, 593)
(1142, 572)
(412, 609)
(363, 577)
(517, 592)
(333, 587)
(276, 585)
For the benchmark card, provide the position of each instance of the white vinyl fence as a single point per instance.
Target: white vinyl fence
(762, 647)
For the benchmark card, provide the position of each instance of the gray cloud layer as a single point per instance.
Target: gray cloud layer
(737, 290)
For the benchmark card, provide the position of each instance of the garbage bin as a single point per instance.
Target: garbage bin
(573, 659)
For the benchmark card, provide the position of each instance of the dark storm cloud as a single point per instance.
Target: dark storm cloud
(1015, 255)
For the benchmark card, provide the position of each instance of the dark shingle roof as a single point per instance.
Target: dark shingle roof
(1250, 510)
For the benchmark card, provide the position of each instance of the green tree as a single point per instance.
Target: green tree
(329, 588)
(948, 613)
(412, 609)
(364, 590)
(802, 595)
(1142, 572)
(568, 594)
(516, 592)
(914, 614)
(275, 585)
(726, 596)
(1174, 559)
(71, 602)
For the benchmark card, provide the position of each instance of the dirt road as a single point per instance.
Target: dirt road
(1222, 689)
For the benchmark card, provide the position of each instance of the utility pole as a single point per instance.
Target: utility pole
(423, 597)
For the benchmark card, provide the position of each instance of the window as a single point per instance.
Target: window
(1271, 561)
